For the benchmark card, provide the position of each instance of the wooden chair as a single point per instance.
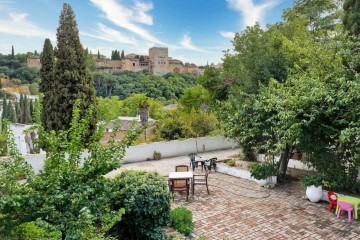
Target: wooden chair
(180, 185)
(181, 168)
(200, 180)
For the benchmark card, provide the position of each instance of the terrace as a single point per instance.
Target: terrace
(239, 209)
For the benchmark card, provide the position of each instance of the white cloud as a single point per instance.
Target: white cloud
(187, 44)
(227, 34)
(108, 34)
(140, 13)
(250, 12)
(18, 24)
(125, 17)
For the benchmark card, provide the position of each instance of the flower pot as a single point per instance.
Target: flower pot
(261, 182)
(314, 194)
(273, 179)
(297, 155)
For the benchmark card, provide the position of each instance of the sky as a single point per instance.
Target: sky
(195, 31)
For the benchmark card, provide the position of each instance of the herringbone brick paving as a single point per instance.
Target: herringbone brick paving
(238, 209)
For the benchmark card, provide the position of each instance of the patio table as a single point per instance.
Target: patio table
(352, 200)
(181, 175)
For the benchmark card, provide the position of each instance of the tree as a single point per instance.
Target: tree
(351, 19)
(5, 108)
(70, 195)
(17, 111)
(72, 80)
(122, 54)
(12, 52)
(25, 116)
(11, 113)
(98, 55)
(194, 98)
(47, 82)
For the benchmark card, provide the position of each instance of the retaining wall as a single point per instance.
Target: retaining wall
(175, 148)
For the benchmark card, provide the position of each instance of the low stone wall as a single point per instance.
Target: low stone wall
(143, 152)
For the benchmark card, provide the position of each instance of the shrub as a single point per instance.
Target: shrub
(315, 180)
(181, 220)
(30, 231)
(231, 162)
(260, 171)
(146, 200)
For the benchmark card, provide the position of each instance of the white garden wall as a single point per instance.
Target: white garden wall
(177, 148)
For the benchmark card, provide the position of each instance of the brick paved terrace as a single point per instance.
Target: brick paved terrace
(239, 209)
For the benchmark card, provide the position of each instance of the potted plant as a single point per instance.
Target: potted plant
(272, 173)
(313, 187)
(157, 155)
(260, 172)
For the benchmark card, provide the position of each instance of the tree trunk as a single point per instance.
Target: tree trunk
(63, 235)
(284, 161)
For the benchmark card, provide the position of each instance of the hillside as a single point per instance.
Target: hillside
(14, 88)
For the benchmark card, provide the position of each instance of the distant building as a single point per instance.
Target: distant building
(157, 62)
(34, 62)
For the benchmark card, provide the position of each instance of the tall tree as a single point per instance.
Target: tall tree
(25, 112)
(17, 111)
(122, 54)
(47, 81)
(72, 80)
(12, 52)
(98, 54)
(11, 112)
(4, 107)
(351, 19)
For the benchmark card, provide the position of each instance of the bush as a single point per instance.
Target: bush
(3, 145)
(181, 220)
(30, 231)
(315, 180)
(146, 200)
(261, 171)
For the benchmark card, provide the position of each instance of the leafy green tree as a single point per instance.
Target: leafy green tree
(90, 62)
(70, 194)
(25, 116)
(47, 81)
(194, 98)
(351, 19)
(72, 80)
(109, 108)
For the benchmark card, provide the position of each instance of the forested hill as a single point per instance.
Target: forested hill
(124, 84)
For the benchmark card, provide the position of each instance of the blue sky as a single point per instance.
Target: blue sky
(195, 31)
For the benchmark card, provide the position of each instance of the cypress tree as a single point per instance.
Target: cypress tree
(11, 112)
(12, 52)
(21, 104)
(31, 110)
(122, 54)
(46, 84)
(25, 111)
(351, 19)
(4, 109)
(98, 54)
(72, 80)
(17, 111)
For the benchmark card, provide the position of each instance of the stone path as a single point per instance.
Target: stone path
(238, 209)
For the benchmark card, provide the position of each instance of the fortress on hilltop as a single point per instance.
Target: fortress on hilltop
(157, 62)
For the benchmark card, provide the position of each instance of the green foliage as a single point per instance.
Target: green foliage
(231, 162)
(125, 84)
(71, 79)
(70, 194)
(181, 220)
(315, 180)
(34, 89)
(194, 98)
(351, 18)
(146, 199)
(178, 124)
(30, 231)
(261, 171)
(3, 145)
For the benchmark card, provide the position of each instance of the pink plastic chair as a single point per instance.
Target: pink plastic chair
(344, 206)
